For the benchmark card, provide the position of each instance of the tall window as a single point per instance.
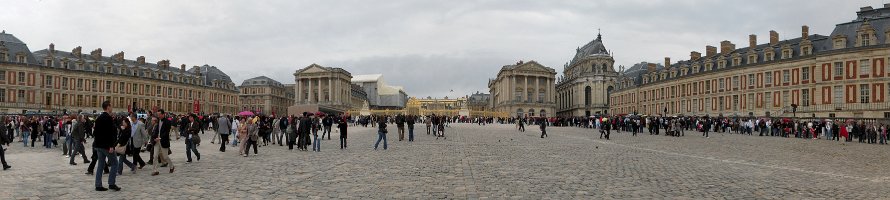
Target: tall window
(866, 40)
(720, 84)
(107, 86)
(21, 77)
(49, 81)
(786, 77)
(518, 95)
(735, 82)
(838, 94)
(587, 96)
(805, 74)
(2, 75)
(838, 68)
(21, 95)
(863, 93)
(2, 95)
(805, 97)
(750, 79)
(768, 100)
(707, 86)
(64, 82)
(864, 67)
(769, 78)
(785, 98)
(541, 97)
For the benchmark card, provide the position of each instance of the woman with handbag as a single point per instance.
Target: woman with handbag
(253, 134)
(121, 147)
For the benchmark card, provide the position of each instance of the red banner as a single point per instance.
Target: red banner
(197, 106)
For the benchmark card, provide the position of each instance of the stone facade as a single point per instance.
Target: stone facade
(584, 88)
(322, 89)
(265, 95)
(525, 89)
(52, 80)
(840, 75)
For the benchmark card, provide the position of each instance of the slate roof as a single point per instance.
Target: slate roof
(15, 46)
(594, 47)
(261, 81)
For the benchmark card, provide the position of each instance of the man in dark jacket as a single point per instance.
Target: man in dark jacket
(103, 144)
(161, 139)
(78, 136)
(410, 120)
(544, 128)
(303, 130)
(327, 122)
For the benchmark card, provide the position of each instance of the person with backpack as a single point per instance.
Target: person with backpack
(381, 133)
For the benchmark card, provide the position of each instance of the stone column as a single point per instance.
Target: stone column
(311, 92)
(330, 90)
(299, 91)
(525, 89)
(511, 88)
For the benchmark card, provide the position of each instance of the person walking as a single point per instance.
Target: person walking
(242, 135)
(328, 123)
(543, 125)
(78, 135)
(520, 123)
(162, 143)
(123, 141)
(138, 140)
(103, 145)
(381, 133)
(410, 121)
(253, 136)
(223, 128)
(342, 126)
(283, 124)
(191, 138)
(316, 144)
(400, 124)
(291, 132)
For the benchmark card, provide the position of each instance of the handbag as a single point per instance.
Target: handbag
(120, 149)
(196, 139)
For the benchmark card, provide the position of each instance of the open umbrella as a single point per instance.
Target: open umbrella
(246, 113)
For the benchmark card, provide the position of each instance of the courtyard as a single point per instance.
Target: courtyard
(479, 162)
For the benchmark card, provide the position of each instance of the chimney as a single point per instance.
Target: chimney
(710, 50)
(182, 67)
(667, 61)
(140, 60)
(804, 32)
(76, 51)
(119, 57)
(97, 54)
(867, 8)
(887, 5)
(52, 48)
(726, 46)
(694, 55)
(651, 67)
(752, 41)
(773, 38)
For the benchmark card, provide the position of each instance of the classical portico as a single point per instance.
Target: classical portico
(524, 89)
(321, 89)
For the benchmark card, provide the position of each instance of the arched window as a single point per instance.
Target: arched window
(543, 113)
(587, 96)
(519, 112)
(604, 67)
(531, 112)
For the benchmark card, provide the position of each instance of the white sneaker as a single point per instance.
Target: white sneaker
(66, 156)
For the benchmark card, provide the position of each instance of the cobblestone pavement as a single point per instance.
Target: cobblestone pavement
(488, 162)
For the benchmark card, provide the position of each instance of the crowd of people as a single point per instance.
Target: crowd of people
(119, 139)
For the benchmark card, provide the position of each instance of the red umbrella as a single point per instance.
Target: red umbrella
(246, 113)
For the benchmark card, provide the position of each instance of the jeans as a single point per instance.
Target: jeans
(26, 135)
(410, 134)
(122, 159)
(316, 144)
(342, 142)
(48, 140)
(189, 148)
(327, 131)
(380, 136)
(101, 156)
(66, 145)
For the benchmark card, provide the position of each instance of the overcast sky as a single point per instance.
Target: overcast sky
(429, 47)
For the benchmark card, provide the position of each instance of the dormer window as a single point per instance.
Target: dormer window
(840, 41)
(752, 59)
(736, 61)
(768, 56)
(20, 59)
(48, 62)
(865, 40)
(721, 64)
(805, 51)
(708, 67)
(786, 54)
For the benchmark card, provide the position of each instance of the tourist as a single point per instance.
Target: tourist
(342, 126)
(291, 132)
(316, 145)
(441, 130)
(223, 129)
(410, 120)
(3, 152)
(327, 122)
(242, 134)
(236, 125)
(162, 143)
(381, 134)
(283, 123)
(123, 141)
(105, 140)
(78, 135)
(191, 138)
(26, 125)
(150, 130)
(252, 136)
(138, 140)
(426, 121)
(519, 122)
(543, 129)
(400, 125)
(276, 129)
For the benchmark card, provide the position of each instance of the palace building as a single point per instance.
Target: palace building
(322, 89)
(843, 74)
(265, 95)
(524, 89)
(51, 80)
(587, 80)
